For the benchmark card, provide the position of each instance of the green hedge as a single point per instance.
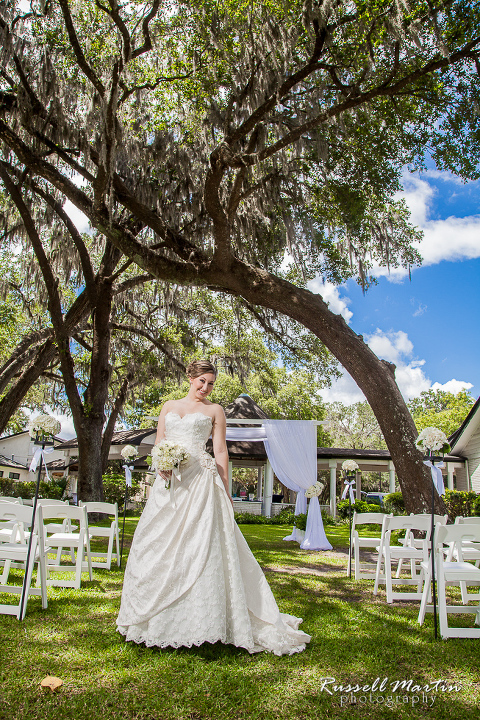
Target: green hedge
(359, 505)
(394, 503)
(114, 488)
(459, 502)
(26, 490)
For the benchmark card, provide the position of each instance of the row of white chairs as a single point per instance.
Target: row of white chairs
(57, 525)
(455, 546)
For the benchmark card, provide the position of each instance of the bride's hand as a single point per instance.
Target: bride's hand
(165, 474)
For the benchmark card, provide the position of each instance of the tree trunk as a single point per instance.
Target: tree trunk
(89, 437)
(375, 377)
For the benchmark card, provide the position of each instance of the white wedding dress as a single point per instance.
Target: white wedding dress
(191, 577)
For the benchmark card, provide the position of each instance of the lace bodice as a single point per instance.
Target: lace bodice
(191, 430)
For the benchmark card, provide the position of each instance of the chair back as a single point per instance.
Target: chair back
(62, 512)
(15, 513)
(460, 520)
(6, 498)
(458, 534)
(409, 522)
(373, 518)
(49, 501)
(100, 507)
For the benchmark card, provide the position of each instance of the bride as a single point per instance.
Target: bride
(191, 577)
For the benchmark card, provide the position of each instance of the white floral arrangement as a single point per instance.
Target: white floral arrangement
(129, 453)
(349, 466)
(43, 424)
(432, 439)
(314, 490)
(166, 456)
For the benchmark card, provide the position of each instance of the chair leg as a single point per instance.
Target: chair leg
(109, 551)
(425, 598)
(378, 571)
(117, 542)
(6, 572)
(388, 575)
(28, 581)
(442, 605)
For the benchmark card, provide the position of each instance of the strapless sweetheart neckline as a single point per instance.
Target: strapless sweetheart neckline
(172, 412)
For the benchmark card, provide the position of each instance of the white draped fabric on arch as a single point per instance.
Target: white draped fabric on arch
(291, 447)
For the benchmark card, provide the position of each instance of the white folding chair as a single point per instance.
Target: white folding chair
(470, 551)
(455, 572)
(14, 554)
(409, 539)
(105, 532)
(364, 569)
(389, 553)
(57, 541)
(65, 526)
(6, 498)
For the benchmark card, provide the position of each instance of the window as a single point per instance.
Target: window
(14, 476)
(1, 473)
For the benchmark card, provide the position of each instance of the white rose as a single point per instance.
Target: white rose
(349, 466)
(129, 452)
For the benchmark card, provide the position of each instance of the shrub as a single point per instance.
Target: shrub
(358, 505)
(26, 490)
(459, 502)
(394, 503)
(300, 521)
(114, 488)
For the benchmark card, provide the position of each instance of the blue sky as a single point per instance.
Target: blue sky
(428, 326)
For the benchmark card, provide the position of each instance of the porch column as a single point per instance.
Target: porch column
(268, 490)
(358, 485)
(391, 477)
(450, 470)
(259, 483)
(332, 464)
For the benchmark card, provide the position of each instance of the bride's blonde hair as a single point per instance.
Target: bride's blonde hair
(200, 367)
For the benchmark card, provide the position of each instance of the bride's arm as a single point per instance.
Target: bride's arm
(161, 422)
(220, 451)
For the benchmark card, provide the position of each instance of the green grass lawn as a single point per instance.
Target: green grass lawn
(356, 638)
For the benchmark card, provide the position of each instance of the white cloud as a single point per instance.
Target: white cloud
(390, 346)
(344, 390)
(451, 239)
(452, 386)
(331, 294)
(395, 347)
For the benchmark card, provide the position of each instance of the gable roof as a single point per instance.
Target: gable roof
(243, 407)
(460, 438)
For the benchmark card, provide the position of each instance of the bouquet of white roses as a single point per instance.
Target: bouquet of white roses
(129, 453)
(166, 456)
(349, 466)
(431, 439)
(314, 490)
(43, 424)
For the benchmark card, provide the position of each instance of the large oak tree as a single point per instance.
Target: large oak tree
(244, 147)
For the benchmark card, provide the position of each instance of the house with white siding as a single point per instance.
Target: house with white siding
(465, 443)
(16, 452)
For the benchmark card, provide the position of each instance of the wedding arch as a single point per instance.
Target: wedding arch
(291, 447)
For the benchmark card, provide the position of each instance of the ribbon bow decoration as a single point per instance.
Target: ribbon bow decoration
(437, 477)
(128, 474)
(348, 489)
(40, 453)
